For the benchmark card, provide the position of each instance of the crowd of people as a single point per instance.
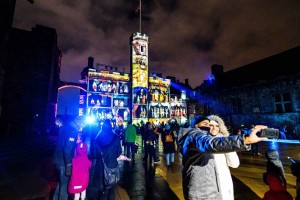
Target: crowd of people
(206, 148)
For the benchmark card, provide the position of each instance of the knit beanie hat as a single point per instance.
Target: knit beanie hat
(197, 119)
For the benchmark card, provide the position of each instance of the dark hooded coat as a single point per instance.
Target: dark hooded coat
(109, 144)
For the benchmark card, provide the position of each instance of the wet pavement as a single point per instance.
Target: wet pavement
(25, 174)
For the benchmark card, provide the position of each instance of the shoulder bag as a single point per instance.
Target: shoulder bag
(111, 175)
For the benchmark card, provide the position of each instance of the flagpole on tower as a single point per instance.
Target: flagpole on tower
(140, 9)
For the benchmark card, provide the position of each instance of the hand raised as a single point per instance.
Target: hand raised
(253, 138)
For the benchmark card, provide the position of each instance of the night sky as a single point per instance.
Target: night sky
(185, 37)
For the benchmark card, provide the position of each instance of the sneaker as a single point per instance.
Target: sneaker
(157, 161)
(258, 154)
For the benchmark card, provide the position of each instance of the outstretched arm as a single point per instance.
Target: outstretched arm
(253, 138)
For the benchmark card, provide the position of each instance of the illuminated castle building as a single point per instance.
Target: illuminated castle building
(123, 97)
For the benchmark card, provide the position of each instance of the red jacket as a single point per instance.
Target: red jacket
(278, 188)
(80, 170)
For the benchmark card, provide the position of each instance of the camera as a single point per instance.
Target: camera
(270, 133)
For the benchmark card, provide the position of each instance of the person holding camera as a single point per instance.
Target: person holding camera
(199, 176)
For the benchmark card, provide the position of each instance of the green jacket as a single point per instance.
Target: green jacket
(130, 133)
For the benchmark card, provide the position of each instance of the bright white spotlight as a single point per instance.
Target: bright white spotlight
(90, 119)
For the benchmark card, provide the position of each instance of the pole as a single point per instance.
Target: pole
(140, 9)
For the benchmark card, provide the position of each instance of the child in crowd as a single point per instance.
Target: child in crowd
(275, 178)
(80, 172)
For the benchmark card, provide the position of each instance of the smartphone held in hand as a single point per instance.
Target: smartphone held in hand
(270, 133)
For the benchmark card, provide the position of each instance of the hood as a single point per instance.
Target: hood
(220, 121)
(81, 149)
(106, 134)
(272, 154)
(106, 137)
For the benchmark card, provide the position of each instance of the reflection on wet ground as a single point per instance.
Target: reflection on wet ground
(21, 176)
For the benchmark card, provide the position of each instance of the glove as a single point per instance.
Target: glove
(68, 169)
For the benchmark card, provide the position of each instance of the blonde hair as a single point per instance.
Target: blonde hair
(219, 120)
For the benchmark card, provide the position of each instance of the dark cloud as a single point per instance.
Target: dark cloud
(185, 37)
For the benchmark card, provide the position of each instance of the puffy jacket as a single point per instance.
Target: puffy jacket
(80, 169)
(199, 169)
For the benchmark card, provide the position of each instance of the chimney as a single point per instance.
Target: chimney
(98, 67)
(90, 62)
(186, 82)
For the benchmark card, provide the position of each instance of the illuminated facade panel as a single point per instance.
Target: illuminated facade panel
(159, 100)
(178, 108)
(108, 96)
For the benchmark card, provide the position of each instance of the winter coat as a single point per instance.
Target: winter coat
(274, 164)
(109, 143)
(199, 176)
(168, 147)
(278, 188)
(80, 169)
(65, 147)
(130, 133)
(149, 135)
(223, 162)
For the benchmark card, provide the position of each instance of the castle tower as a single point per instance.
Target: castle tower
(139, 72)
